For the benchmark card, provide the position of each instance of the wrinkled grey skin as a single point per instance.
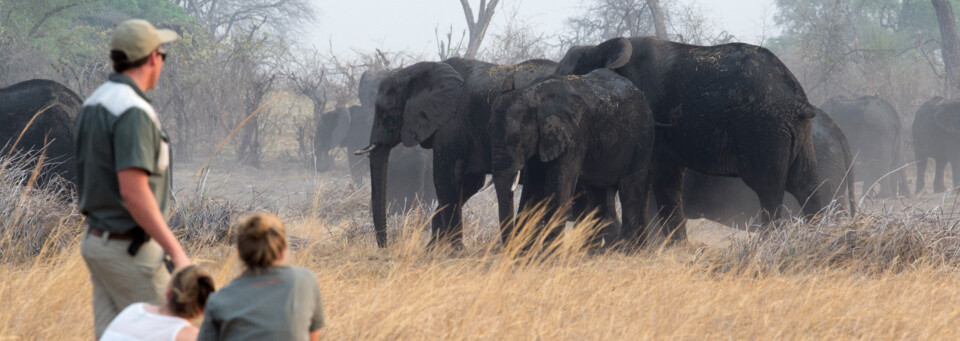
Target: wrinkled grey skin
(873, 128)
(20, 102)
(936, 134)
(594, 130)
(412, 171)
(727, 110)
(729, 201)
(444, 106)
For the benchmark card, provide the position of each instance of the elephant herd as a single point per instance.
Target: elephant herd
(720, 132)
(671, 130)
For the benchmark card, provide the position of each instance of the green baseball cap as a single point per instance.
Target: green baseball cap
(137, 38)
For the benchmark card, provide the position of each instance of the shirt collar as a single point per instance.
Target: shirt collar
(124, 79)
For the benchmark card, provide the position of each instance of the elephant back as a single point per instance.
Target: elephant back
(55, 107)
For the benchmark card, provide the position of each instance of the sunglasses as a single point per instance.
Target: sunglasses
(162, 54)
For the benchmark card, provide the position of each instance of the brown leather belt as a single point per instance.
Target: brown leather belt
(93, 231)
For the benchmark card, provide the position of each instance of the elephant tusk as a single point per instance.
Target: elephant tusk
(365, 150)
(516, 181)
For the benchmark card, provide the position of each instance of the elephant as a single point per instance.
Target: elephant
(444, 106)
(727, 110)
(729, 201)
(49, 109)
(936, 134)
(412, 171)
(873, 128)
(595, 131)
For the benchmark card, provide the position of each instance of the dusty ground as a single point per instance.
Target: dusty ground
(285, 185)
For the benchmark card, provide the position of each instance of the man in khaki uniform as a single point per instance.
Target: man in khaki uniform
(123, 161)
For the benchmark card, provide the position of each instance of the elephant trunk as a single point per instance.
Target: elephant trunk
(379, 158)
(505, 184)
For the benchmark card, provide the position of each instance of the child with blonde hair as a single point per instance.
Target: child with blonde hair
(187, 295)
(270, 300)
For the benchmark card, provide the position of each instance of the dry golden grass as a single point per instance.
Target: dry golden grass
(889, 275)
(407, 294)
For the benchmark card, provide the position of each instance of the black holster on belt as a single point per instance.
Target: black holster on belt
(140, 237)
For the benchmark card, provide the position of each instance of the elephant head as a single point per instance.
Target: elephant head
(947, 116)
(411, 104)
(611, 54)
(331, 133)
(539, 120)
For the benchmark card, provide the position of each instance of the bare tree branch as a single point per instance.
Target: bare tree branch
(478, 26)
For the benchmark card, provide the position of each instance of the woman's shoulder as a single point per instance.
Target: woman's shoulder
(302, 273)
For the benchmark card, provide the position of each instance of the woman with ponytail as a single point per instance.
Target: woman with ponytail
(270, 300)
(186, 297)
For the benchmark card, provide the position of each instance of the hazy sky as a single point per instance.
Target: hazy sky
(409, 24)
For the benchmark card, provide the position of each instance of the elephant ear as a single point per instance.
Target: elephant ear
(614, 53)
(367, 91)
(432, 98)
(559, 116)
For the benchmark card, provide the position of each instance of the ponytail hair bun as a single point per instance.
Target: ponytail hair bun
(261, 241)
(189, 289)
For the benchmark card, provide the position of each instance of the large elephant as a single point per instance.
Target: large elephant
(55, 107)
(594, 130)
(412, 171)
(936, 134)
(444, 106)
(729, 201)
(873, 128)
(728, 110)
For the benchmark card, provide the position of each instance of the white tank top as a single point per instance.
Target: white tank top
(136, 324)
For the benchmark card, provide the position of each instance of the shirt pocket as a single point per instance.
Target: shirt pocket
(163, 157)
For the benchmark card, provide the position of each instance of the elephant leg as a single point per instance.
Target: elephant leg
(770, 187)
(560, 181)
(604, 201)
(533, 192)
(503, 184)
(451, 194)
(803, 183)
(938, 186)
(634, 200)
(955, 172)
(921, 173)
(471, 184)
(668, 188)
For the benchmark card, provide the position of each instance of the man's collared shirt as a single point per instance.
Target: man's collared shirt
(117, 129)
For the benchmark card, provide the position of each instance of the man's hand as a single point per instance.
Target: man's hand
(140, 202)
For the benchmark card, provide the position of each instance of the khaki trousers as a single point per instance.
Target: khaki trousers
(119, 279)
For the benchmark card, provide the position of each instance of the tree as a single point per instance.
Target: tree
(950, 43)
(865, 47)
(658, 23)
(477, 27)
(517, 42)
(605, 19)
(223, 18)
